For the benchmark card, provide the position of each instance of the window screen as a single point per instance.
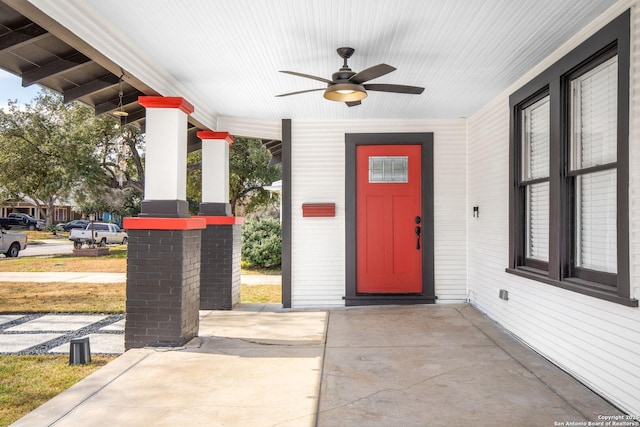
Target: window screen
(535, 153)
(538, 221)
(593, 143)
(596, 241)
(594, 116)
(535, 167)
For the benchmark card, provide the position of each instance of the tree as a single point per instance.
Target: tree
(194, 181)
(42, 149)
(262, 243)
(249, 172)
(52, 151)
(120, 189)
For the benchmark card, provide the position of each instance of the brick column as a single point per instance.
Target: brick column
(163, 281)
(221, 240)
(220, 263)
(163, 259)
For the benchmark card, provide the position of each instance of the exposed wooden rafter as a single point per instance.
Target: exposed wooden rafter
(58, 66)
(101, 83)
(27, 33)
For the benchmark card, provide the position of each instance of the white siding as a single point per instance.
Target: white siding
(250, 128)
(318, 244)
(595, 340)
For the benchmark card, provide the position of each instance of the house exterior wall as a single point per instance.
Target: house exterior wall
(61, 214)
(318, 176)
(595, 340)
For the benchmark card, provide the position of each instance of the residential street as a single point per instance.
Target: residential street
(47, 247)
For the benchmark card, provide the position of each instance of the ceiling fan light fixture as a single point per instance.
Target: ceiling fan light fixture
(350, 87)
(345, 92)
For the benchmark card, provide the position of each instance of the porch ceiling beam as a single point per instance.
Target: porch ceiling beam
(101, 83)
(26, 34)
(273, 145)
(270, 144)
(56, 67)
(112, 104)
(193, 142)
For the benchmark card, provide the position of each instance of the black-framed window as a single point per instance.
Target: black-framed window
(569, 171)
(533, 186)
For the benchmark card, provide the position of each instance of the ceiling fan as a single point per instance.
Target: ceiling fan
(348, 86)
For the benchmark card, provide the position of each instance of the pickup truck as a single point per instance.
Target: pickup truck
(12, 243)
(99, 233)
(21, 220)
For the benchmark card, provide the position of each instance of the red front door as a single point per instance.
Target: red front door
(389, 211)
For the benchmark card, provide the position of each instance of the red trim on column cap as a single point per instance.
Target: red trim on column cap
(222, 220)
(166, 102)
(218, 136)
(151, 223)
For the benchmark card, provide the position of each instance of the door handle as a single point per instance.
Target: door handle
(418, 231)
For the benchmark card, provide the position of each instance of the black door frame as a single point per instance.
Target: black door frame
(352, 140)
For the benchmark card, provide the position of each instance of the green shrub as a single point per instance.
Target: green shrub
(262, 243)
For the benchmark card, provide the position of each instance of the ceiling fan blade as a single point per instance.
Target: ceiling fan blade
(395, 88)
(353, 103)
(308, 76)
(300, 91)
(371, 73)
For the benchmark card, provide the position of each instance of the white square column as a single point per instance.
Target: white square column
(221, 240)
(215, 173)
(165, 183)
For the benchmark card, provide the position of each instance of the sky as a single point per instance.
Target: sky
(11, 88)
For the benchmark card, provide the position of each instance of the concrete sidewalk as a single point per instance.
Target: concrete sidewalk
(437, 365)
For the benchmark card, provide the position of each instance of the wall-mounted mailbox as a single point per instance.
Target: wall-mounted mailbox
(318, 210)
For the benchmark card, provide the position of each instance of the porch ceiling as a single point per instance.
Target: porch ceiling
(224, 56)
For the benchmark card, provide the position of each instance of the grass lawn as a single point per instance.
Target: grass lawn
(29, 297)
(115, 262)
(27, 382)
(63, 297)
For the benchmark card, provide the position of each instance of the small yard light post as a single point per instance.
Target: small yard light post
(79, 351)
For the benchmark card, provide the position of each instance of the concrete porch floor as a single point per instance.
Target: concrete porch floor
(436, 365)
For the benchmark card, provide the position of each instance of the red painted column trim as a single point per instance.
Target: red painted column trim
(166, 102)
(222, 220)
(151, 223)
(219, 136)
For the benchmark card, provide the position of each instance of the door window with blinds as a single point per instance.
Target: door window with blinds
(569, 170)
